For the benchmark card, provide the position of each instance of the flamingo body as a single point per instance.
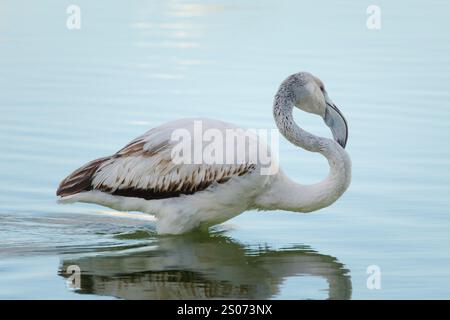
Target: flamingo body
(142, 176)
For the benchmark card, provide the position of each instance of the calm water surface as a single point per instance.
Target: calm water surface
(71, 96)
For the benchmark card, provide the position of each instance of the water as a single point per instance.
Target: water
(71, 96)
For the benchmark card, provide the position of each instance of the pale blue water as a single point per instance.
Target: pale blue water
(68, 97)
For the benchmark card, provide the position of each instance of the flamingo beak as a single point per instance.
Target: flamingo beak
(335, 120)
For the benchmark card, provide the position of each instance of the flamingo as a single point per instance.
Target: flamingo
(183, 197)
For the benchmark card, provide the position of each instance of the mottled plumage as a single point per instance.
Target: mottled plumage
(144, 169)
(143, 175)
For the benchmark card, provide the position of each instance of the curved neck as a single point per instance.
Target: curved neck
(289, 195)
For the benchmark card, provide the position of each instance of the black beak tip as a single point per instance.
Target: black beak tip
(342, 143)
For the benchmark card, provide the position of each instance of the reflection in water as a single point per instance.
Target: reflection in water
(204, 267)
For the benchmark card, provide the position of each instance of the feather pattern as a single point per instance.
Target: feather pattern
(144, 169)
(142, 176)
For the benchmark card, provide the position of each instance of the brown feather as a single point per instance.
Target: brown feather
(81, 179)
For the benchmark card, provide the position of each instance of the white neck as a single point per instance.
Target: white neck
(286, 194)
